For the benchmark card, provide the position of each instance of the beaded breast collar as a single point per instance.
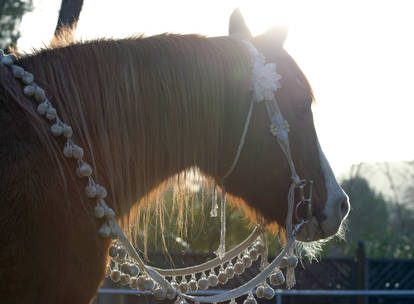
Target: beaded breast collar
(126, 265)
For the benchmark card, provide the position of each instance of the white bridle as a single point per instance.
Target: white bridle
(264, 84)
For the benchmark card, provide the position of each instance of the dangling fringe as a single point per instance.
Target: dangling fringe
(222, 247)
(290, 272)
(264, 258)
(214, 206)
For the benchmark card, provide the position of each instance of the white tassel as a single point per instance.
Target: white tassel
(90, 190)
(101, 191)
(67, 131)
(27, 78)
(29, 90)
(109, 213)
(7, 60)
(42, 108)
(292, 262)
(104, 231)
(77, 152)
(221, 251)
(214, 206)
(68, 149)
(39, 94)
(56, 129)
(84, 170)
(18, 72)
(51, 113)
(99, 212)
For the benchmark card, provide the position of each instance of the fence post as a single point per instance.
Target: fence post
(278, 298)
(361, 272)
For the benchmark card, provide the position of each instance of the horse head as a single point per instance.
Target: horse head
(262, 175)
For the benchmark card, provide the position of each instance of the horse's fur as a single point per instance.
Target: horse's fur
(144, 109)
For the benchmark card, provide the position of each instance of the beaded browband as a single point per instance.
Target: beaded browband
(126, 265)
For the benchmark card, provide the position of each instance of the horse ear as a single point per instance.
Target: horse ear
(237, 26)
(276, 35)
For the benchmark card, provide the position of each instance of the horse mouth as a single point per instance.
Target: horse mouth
(311, 231)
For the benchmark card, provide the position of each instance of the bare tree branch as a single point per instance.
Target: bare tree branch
(68, 15)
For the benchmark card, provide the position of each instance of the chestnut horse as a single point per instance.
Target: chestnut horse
(144, 109)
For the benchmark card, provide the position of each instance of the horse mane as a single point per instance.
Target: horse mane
(139, 96)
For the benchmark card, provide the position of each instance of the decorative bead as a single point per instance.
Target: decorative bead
(193, 284)
(99, 212)
(230, 271)
(212, 279)
(115, 276)
(67, 131)
(39, 94)
(247, 261)
(292, 261)
(239, 267)
(109, 213)
(7, 60)
(104, 231)
(283, 263)
(100, 191)
(77, 152)
(222, 277)
(171, 293)
(56, 130)
(122, 253)
(260, 291)
(68, 150)
(29, 90)
(277, 278)
(149, 284)
(160, 293)
(42, 108)
(183, 285)
(27, 78)
(259, 247)
(174, 284)
(133, 283)
(254, 254)
(51, 113)
(133, 270)
(282, 135)
(268, 292)
(141, 283)
(90, 191)
(113, 252)
(125, 268)
(203, 282)
(250, 300)
(84, 170)
(18, 72)
(124, 279)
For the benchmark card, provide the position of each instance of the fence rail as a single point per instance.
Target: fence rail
(280, 293)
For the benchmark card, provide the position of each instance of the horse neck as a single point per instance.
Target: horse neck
(146, 109)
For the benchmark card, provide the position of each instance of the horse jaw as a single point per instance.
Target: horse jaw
(336, 209)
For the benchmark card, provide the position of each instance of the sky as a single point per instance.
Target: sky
(357, 54)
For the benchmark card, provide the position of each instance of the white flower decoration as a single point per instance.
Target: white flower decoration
(265, 79)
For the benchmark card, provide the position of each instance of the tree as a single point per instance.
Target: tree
(68, 15)
(11, 13)
(374, 221)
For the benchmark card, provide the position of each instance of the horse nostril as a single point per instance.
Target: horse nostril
(344, 207)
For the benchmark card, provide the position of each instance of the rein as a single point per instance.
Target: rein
(126, 265)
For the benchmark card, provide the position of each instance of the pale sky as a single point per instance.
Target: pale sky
(357, 54)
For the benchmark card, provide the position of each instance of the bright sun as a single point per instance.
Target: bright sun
(356, 54)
